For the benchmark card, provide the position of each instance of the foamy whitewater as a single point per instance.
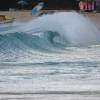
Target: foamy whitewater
(52, 54)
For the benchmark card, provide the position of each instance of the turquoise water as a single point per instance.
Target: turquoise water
(50, 53)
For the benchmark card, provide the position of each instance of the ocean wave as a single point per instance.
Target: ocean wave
(48, 34)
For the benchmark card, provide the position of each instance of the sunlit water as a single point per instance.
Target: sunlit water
(53, 54)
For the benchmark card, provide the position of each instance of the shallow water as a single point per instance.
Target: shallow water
(50, 58)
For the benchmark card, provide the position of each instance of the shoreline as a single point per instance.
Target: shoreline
(25, 15)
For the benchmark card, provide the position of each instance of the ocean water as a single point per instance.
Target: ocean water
(53, 57)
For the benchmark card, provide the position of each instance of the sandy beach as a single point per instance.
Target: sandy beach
(18, 15)
(26, 15)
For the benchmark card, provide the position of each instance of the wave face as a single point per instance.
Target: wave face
(48, 33)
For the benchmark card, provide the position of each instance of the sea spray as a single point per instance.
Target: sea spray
(71, 26)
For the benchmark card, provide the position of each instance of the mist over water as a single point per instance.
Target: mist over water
(53, 52)
(71, 26)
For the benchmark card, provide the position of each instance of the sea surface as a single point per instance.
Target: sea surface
(53, 57)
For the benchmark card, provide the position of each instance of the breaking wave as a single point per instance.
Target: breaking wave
(48, 33)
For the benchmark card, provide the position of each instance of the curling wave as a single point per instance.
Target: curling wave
(48, 33)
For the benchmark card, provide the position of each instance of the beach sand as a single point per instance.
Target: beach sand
(26, 15)
(18, 15)
(95, 17)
